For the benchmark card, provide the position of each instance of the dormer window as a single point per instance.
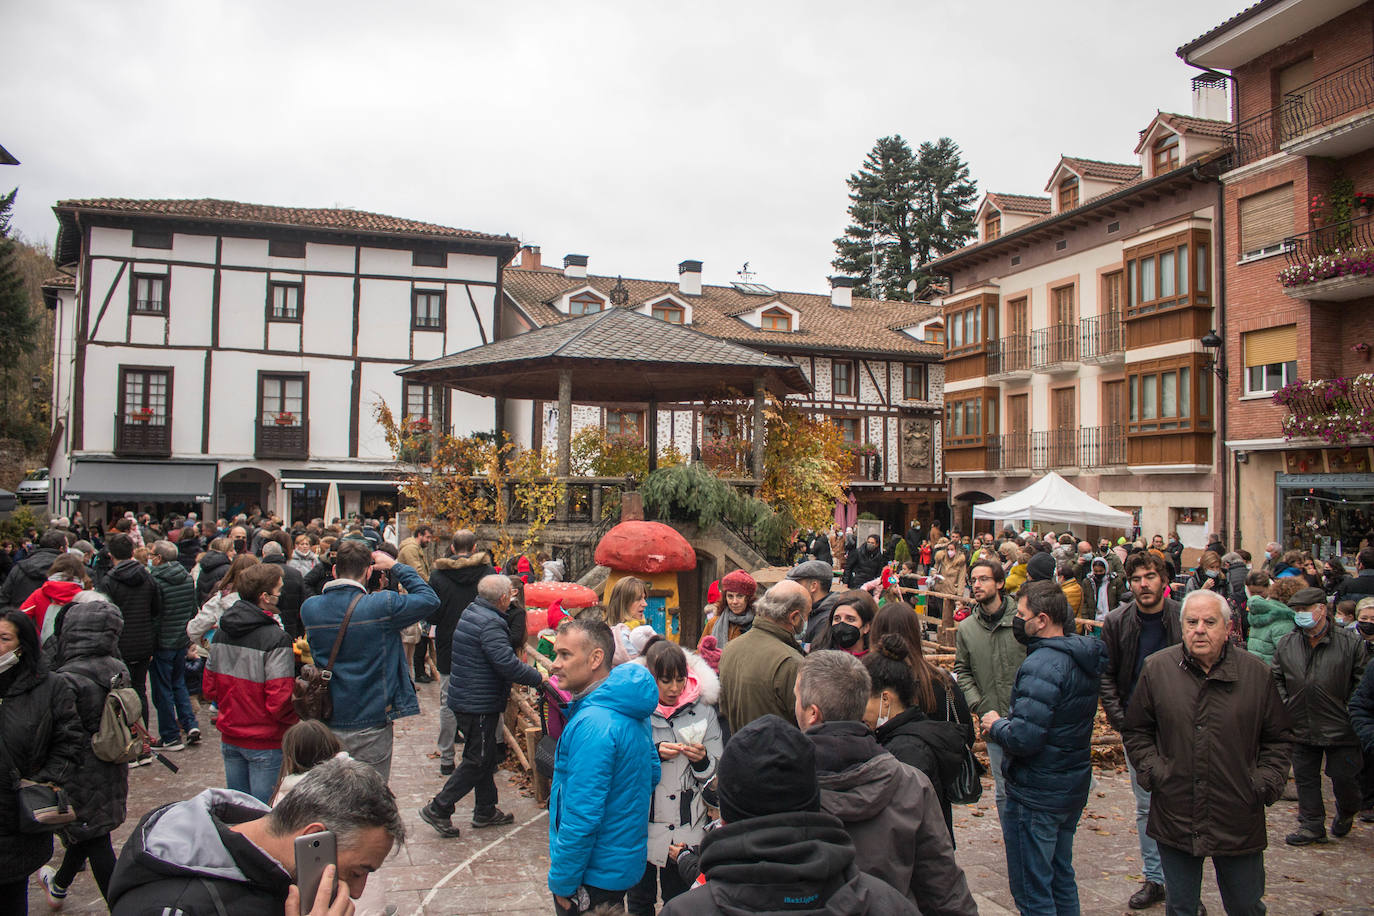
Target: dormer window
(1166, 154)
(585, 304)
(775, 319)
(992, 226)
(934, 333)
(1068, 193)
(668, 311)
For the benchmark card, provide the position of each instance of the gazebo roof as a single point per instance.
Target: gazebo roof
(616, 355)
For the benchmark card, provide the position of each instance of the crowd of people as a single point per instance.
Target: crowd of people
(805, 755)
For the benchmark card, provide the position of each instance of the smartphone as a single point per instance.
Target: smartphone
(313, 852)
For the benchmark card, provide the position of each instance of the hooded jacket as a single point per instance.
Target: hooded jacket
(27, 575)
(293, 595)
(213, 565)
(134, 592)
(1316, 683)
(952, 570)
(484, 662)
(863, 564)
(796, 862)
(678, 812)
(1121, 636)
(892, 814)
(454, 580)
(758, 674)
(818, 621)
(41, 737)
(1362, 710)
(250, 675)
(413, 555)
(1212, 749)
(986, 657)
(604, 775)
(1047, 734)
(88, 643)
(1270, 620)
(935, 748)
(47, 599)
(176, 850)
(371, 684)
(178, 604)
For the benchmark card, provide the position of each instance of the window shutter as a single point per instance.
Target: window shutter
(1266, 218)
(1272, 345)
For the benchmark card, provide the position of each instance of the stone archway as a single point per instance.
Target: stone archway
(243, 488)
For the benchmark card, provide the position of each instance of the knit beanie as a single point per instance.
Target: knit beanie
(713, 592)
(769, 767)
(710, 652)
(1040, 567)
(739, 582)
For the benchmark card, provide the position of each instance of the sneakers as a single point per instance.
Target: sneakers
(497, 818)
(1149, 894)
(1340, 826)
(57, 896)
(176, 744)
(1304, 836)
(144, 758)
(446, 769)
(193, 737)
(1367, 815)
(442, 825)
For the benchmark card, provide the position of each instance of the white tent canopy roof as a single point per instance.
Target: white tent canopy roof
(1054, 499)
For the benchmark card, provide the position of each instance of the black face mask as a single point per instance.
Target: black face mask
(844, 635)
(1366, 627)
(240, 545)
(1018, 630)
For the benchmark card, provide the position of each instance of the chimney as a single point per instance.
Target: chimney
(1209, 97)
(842, 292)
(575, 265)
(689, 278)
(529, 257)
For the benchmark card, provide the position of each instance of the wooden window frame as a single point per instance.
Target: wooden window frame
(1198, 418)
(842, 421)
(267, 450)
(957, 409)
(992, 227)
(1165, 153)
(299, 287)
(620, 415)
(921, 383)
(122, 418)
(1068, 193)
(136, 309)
(152, 238)
(428, 258)
(415, 295)
(285, 248)
(934, 333)
(851, 384)
(666, 306)
(577, 304)
(984, 322)
(435, 401)
(771, 318)
(1192, 285)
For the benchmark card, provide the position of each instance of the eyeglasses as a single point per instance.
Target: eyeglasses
(983, 579)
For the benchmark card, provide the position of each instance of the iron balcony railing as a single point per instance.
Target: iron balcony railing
(1010, 354)
(1056, 344)
(1309, 107)
(1054, 448)
(1102, 446)
(1353, 235)
(1009, 452)
(1100, 335)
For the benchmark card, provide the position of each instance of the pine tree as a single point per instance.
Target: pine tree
(18, 327)
(906, 209)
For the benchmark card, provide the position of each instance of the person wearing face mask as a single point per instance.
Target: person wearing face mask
(131, 588)
(950, 577)
(864, 563)
(849, 624)
(734, 612)
(1317, 668)
(758, 671)
(249, 676)
(1362, 708)
(1208, 575)
(1046, 741)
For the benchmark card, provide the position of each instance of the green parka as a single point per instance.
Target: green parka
(986, 659)
(1270, 621)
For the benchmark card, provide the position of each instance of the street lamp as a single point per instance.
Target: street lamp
(1212, 343)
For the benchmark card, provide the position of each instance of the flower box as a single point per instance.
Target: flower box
(285, 419)
(1350, 262)
(142, 415)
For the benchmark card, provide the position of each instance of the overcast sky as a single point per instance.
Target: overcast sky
(640, 134)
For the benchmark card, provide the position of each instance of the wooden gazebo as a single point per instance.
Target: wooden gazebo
(614, 356)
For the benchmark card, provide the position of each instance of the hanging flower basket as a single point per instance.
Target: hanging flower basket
(861, 449)
(142, 415)
(1333, 410)
(1351, 262)
(285, 419)
(418, 425)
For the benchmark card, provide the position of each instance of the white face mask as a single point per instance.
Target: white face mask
(9, 660)
(882, 719)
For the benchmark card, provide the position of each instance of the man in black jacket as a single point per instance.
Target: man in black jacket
(226, 852)
(32, 571)
(454, 579)
(1362, 584)
(173, 702)
(276, 548)
(1131, 634)
(132, 590)
(214, 563)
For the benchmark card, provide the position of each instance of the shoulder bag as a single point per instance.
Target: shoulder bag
(966, 786)
(310, 694)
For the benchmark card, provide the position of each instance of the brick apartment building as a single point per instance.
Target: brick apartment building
(1303, 102)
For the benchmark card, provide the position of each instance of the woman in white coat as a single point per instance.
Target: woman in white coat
(688, 739)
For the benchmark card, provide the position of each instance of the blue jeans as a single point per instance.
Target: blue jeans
(1149, 849)
(1040, 859)
(999, 791)
(170, 697)
(251, 770)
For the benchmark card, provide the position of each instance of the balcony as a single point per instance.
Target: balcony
(283, 440)
(1100, 340)
(1102, 447)
(143, 437)
(1009, 359)
(1054, 448)
(1331, 264)
(1011, 452)
(1330, 116)
(1337, 411)
(1054, 350)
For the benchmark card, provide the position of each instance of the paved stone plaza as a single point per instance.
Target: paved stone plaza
(501, 870)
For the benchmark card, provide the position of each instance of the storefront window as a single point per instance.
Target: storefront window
(1328, 522)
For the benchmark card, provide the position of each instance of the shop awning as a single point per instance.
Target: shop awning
(144, 481)
(295, 479)
(1053, 499)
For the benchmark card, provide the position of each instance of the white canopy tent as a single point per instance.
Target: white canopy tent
(1053, 499)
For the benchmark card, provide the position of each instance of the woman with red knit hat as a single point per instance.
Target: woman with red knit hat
(734, 612)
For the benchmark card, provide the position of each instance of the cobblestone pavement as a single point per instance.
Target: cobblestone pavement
(501, 870)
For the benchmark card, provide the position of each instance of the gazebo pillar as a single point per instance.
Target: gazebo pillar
(758, 428)
(564, 422)
(653, 435)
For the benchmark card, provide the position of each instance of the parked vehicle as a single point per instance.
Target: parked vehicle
(34, 487)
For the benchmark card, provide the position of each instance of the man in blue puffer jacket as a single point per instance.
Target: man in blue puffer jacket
(1046, 739)
(604, 772)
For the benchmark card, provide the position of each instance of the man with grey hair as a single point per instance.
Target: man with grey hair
(817, 577)
(758, 670)
(226, 852)
(890, 810)
(483, 667)
(1209, 738)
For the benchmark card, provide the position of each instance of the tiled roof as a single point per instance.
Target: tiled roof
(864, 327)
(1020, 203)
(231, 211)
(1106, 171)
(1238, 18)
(1186, 124)
(61, 281)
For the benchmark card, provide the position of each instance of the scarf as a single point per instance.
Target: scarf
(689, 695)
(721, 631)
